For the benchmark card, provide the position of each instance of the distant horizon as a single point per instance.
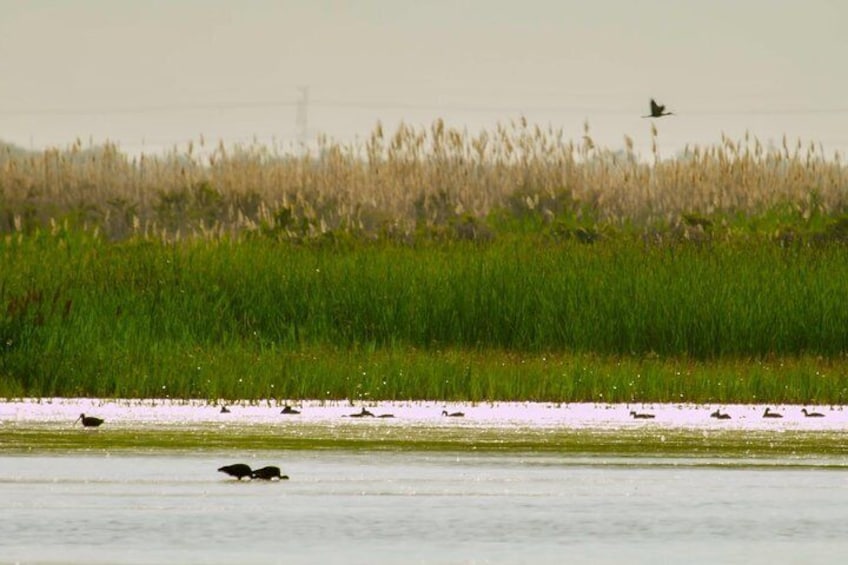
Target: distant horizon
(641, 147)
(151, 76)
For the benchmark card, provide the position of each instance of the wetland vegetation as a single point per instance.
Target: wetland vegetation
(511, 265)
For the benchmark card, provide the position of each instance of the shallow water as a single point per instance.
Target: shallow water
(393, 507)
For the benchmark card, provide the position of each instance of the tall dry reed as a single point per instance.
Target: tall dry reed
(410, 179)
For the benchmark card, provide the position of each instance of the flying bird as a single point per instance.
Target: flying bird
(657, 110)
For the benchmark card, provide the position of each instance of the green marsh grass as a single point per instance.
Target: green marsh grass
(740, 448)
(427, 263)
(521, 317)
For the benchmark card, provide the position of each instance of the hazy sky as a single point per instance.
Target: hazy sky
(153, 73)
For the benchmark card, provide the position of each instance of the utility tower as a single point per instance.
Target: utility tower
(301, 116)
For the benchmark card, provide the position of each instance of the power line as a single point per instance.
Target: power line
(304, 101)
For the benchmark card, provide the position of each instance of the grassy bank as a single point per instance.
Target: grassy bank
(524, 316)
(794, 448)
(427, 263)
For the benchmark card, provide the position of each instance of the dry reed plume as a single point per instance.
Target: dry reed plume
(415, 178)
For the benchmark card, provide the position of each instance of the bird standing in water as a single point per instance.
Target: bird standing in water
(237, 470)
(268, 473)
(89, 421)
(362, 414)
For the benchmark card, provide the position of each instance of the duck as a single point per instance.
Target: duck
(657, 110)
(719, 416)
(811, 414)
(289, 410)
(641, 415)
(362, 414)
(268, 473)
(386, 416)
(769, 414)
(237, 470)
(89, 421)
(453, 414)
(225, 410)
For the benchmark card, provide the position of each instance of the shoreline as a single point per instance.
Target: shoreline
(129, 413)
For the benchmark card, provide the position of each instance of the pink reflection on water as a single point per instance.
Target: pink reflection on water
(129, 412)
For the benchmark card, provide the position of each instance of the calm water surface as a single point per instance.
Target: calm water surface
(378, 507)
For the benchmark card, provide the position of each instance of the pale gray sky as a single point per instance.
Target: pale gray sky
(158, 72)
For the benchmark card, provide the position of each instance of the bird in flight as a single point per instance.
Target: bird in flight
(657, 110)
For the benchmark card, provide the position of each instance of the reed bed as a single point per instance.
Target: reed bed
(521, 317)
(413, 181)
(427, 263)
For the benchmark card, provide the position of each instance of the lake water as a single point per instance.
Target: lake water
(408, 507)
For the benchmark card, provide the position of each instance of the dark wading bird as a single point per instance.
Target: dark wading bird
(362, 414)
(769, 414)
(657, 111)
(812, 414)
(237, 470)
(719, 416)
(225, 410)
(452, 414)
(89, 421)
(641, 415)
(269, 473)
(289, 410)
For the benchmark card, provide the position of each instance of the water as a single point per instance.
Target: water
(388, 507)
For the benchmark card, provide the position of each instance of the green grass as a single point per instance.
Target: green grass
(525, 316)
(793, 447)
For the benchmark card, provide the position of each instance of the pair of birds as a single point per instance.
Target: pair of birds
(769, 414)
(286, 410)
(240, 471)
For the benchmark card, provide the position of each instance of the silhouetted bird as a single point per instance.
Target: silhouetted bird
(641, 415)
(237, 470)
(657, 111)
(268, 473)
(225, 410)
(812, 414)
(289, 410)
(769, 414)
(89, 421)
(362, 414)
(453, 414)
(719, 416)
(386, 416)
